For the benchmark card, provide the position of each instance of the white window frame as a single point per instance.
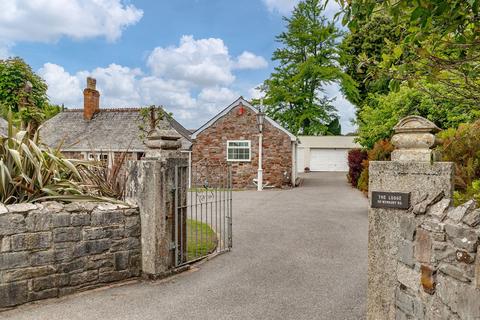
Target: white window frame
(234, 147)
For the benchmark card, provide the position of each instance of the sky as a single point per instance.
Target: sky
(194, 57)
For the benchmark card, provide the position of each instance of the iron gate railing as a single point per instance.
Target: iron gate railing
(203, 212)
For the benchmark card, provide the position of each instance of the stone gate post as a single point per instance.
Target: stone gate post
(399, 190)
(150, 186)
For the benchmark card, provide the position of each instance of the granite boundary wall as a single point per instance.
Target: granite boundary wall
(424, 262)
(50, 249)
(438, 263)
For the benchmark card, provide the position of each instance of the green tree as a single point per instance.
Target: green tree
(361, 51)
(382, 112)
(441, 45)
(334, 128)
(307, 61)
(24, 93)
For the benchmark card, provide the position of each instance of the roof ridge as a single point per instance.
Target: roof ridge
(107, 109)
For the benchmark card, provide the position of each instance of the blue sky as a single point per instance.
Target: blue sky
(192, 56)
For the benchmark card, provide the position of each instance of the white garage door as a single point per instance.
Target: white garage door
(328, 159)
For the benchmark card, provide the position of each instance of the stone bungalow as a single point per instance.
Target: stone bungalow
(231, 137)
(93, 133)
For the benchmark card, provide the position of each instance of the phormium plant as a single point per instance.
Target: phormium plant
(31, 171)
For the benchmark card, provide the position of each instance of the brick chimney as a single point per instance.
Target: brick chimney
(91, 99)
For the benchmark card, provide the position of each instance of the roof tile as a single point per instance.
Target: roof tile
(110, 129)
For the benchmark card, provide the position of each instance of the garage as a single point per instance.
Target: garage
(324, 153)
(328, 160)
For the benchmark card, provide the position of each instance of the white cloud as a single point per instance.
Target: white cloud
(281, 6)
(202, 62)
(215, 99)
(169, 93)
(118, 85)
(49, 20)
(248, 60)
(4, 50)
(256, 93)
(121, 86)
(62, 86)
(284, 7)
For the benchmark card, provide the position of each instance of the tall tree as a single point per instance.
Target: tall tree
(307, 61)
(362, 50)
(441, 44)
(24, 93)
(334, 128)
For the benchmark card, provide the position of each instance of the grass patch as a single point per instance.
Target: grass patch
(201, 239)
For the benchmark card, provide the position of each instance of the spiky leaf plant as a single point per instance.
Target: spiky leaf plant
(31, 171)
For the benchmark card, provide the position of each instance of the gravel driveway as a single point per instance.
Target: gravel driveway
(298, 254)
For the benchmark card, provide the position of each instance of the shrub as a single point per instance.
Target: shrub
(355, 158)
(462, 146)
(104, 180)
(381, 113)
(472, 192)
(363, 179)
(31, 171)
(381, 151)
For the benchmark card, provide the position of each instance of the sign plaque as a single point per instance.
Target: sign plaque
(396, 200)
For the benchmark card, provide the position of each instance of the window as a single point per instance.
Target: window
(238, 150)
(102, 157)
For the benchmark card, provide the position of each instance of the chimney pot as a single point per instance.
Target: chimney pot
(91, 99)
(91, 83)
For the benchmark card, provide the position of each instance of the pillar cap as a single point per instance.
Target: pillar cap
(164, 139)
(415, 124)
(414, 137)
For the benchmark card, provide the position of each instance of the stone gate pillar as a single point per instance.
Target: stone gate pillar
(399, 190)
(150, 186)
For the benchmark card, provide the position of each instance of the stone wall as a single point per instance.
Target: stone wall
(50, 249)
(423, 262)
(438, 263)
(210, 148)
(384, 236)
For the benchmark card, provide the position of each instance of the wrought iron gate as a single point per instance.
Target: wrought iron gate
(203, 212)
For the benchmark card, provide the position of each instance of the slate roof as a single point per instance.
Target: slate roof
(109, 130)
(3, 127)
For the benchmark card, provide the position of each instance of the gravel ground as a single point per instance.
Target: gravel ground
(298, 254)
